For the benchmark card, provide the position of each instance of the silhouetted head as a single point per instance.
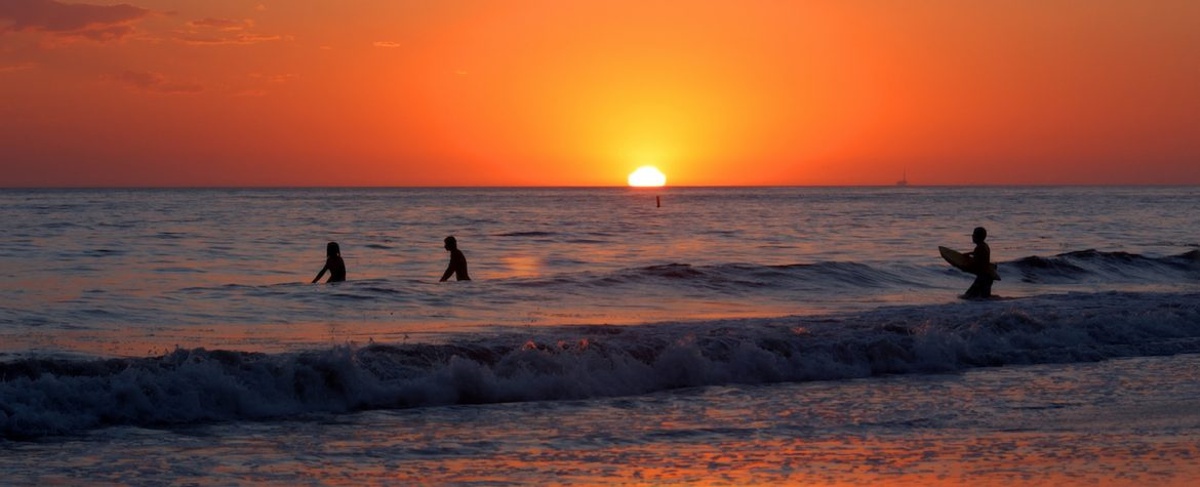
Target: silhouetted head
(451, 243)
(332, 249)
(979, 234)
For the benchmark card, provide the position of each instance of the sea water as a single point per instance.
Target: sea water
(727, 336)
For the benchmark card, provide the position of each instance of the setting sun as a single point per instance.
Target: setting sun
(647, 176)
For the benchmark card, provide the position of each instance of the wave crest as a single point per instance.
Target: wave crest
(50, 397)
(1091, 263)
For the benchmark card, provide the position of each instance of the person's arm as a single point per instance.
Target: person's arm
(322, 273)
(449, 271)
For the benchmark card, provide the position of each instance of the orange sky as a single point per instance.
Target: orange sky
(581, 92)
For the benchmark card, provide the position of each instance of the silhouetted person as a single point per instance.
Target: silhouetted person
(458, 262)
(333, 264)
(981, 266)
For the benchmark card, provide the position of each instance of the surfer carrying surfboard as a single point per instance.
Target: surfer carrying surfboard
(978, 262)
(981, 266)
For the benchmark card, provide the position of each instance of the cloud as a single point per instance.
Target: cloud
(228, 25)
(273, 78)
(156, 83)
(12, 68)
(387, 44)
(251, 93)
(202, 40)
(218, 32)
(74, 20)
(266, 83)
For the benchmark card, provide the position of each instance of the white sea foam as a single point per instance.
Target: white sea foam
(61, 396)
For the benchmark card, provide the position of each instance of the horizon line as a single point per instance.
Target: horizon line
(614, 186)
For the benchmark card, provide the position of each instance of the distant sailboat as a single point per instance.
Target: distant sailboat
(903, 181)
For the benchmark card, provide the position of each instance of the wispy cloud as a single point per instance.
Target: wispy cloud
(72, 20)
(264, 84)
(12, 68)
(217, 32)
(228, 25)
(244, 38)
(156, 83)
(251, 93)
(387, 44)
(273, 78)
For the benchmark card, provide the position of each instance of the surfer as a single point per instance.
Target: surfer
(981, 261)
(333, 264)
(458, 262)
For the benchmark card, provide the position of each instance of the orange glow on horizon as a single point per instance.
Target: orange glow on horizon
(546, 93)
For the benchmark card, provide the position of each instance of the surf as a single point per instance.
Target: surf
(63, 396)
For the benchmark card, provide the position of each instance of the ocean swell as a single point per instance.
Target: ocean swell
(1091, 264)
(40, 397)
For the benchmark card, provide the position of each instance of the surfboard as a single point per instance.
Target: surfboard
(963, 263)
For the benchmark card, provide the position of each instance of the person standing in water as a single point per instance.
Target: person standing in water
(981, 266)
(333, 264)
(458, 262)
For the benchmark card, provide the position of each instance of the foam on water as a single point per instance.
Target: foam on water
(44, 396)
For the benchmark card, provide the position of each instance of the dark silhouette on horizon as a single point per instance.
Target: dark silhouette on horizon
(333, 264)
(458, 262)
(981, 262)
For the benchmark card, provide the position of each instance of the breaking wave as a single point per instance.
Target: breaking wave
(43, 396)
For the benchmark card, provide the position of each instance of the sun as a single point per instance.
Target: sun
(647, 177)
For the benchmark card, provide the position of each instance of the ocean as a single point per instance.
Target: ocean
(611, 336)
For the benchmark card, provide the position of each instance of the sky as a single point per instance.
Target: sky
(582, 92)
